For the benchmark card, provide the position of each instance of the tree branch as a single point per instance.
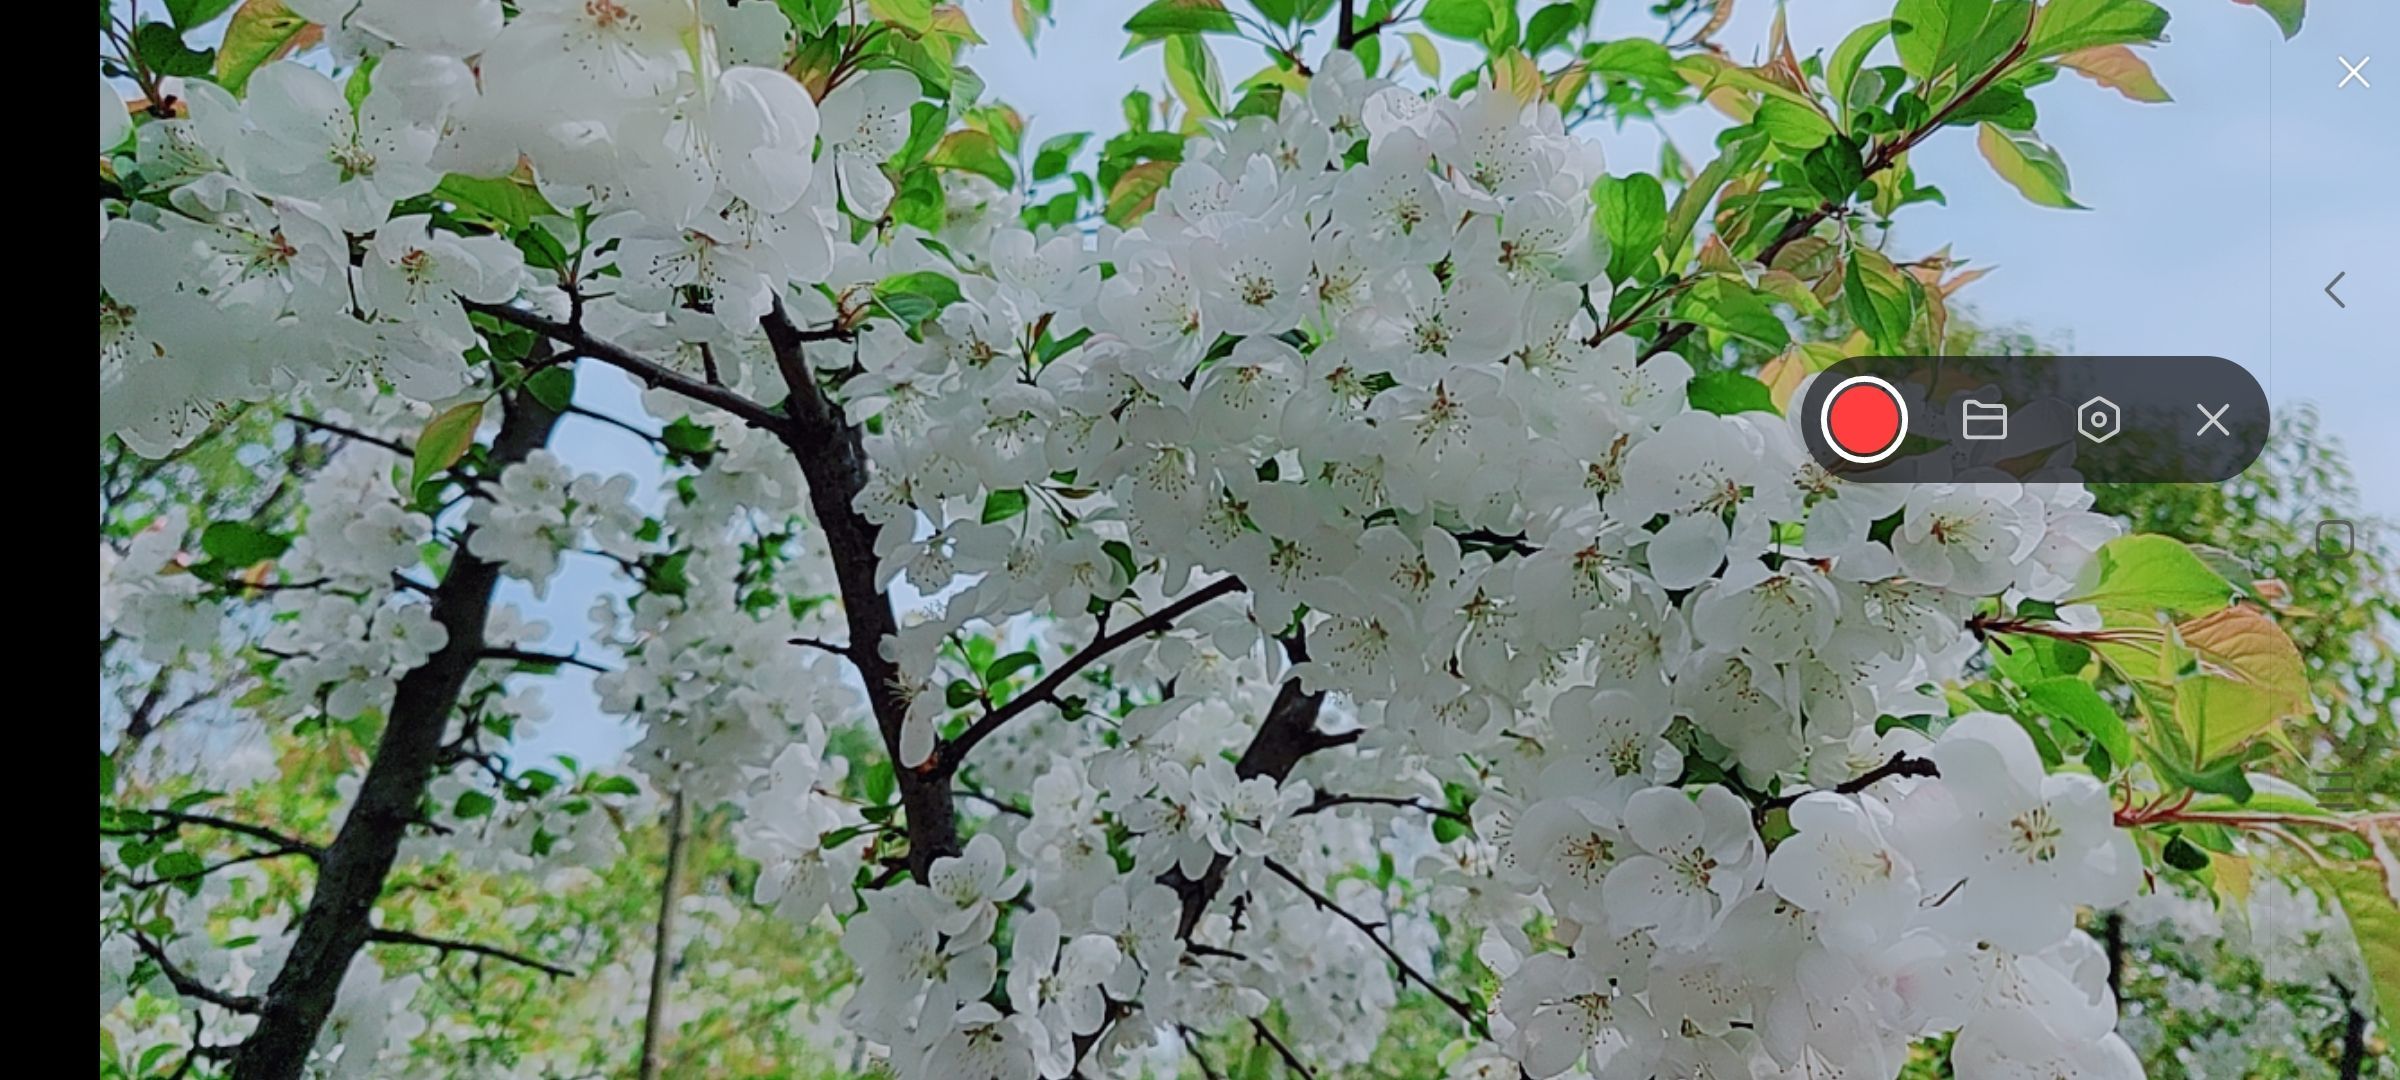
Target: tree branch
(382, 936)
(1290, 1060)
(1327, 800)
(528, 656)
(834, 460)
(281, 843)
(1191, 1045)
(652, 374)
(1900, 765)
(827, 647)
(190, 987)
(1288, 734)
(144, 884)
(352, 870)
(955, 754)
(1324, 903)
(352, 434)
(662, 973)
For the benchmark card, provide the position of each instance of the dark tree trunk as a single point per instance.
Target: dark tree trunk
(350, 877)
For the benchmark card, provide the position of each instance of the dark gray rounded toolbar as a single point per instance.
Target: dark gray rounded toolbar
(2097, 419)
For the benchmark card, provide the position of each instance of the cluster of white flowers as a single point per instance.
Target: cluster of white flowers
(1350, 359)
(2218, 1019)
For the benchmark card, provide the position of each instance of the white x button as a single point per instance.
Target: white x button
(2354, 72)
(2215, 420)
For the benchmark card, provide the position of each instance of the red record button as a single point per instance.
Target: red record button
(1864, 419)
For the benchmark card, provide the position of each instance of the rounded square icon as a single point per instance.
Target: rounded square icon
(2099, 419)
(2336, 538)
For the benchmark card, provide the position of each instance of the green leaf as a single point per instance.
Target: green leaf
(615, 785)
(917, 297)
(508, 200)
(1057, 154)
(915, 16)
(1695, 197)
(2226, 779)
(259, 31)
(930, 284)
(177, 865)
(2286, 13)
(1121, 553)
(1878, 297)
(2181, 855)
(2268, 795)
(1933, 35)
(959, 694)
(1728, 392)
(161, 47)
(1550, 26)
(1279, 12)
(1796, 126)
(445, 440)
(2074, 701)
(2370, 896)
(2063, 26)
(2250, 677)
(1425, 54)
(973, 151)
(1164, 18)
(2028, 165)
(1730, 307)
(1468, 20)
(689, 437)
(1192, 71)
(2118, 68)
(1003, 504)
(2144, 573)
(1009, 665)
(1632, 212)
(1136, 191)
(2001, 105)
(1835, 169)
(1851, 54)
(553, 386)
(2010, 22)
(1636, 58)
(240, 545)
(472, 805)
(190, 13)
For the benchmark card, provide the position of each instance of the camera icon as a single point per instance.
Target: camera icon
(2099, 419)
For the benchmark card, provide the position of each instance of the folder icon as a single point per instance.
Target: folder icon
(1985, 421)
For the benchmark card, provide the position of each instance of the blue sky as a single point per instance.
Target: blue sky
(2216, 220)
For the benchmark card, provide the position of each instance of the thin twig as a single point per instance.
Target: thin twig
(350, 433)
(651, 373)
(827, 647)
(188, 986)
(1900, 765)
(1047, 689)
(1325, 903)
(382, 936)
(626, 426)
(278, 841)
(1191, 1043)
(1327, 800)
(527, 656)
(1290, 1060)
